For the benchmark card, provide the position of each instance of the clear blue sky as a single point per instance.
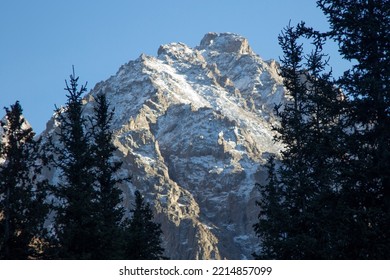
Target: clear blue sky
(41, 39)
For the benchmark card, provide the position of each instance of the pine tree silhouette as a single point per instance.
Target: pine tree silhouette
(143, 235)
(22, 194)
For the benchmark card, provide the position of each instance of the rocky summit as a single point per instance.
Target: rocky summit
(193, 127)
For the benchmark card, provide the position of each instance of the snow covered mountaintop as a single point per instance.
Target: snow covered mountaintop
(193, 128)
(225, 42)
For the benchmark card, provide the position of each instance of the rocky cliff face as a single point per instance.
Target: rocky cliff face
(193, 127)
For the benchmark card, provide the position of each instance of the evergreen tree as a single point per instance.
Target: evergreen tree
(297, 209)
(143, 235)
(270, 228)
(332, 188)
(110, 211)
(76, 226)
(361, 28)
(89, 222)
(22, 195)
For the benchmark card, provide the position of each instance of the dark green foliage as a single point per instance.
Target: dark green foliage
(270, 229)
(361, 29)
(296, 215)
(109, 210)
(330, 195)
(143, 235)
(22, 195)
(89, 221)
(76, 225)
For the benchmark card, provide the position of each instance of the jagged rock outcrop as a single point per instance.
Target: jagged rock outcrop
(193, 127)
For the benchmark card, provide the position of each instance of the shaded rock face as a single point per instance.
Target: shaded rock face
(193, 128)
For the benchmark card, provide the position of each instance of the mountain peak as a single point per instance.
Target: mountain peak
(178, 51)
(225, 42)
(193, 127)
(173, 48)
